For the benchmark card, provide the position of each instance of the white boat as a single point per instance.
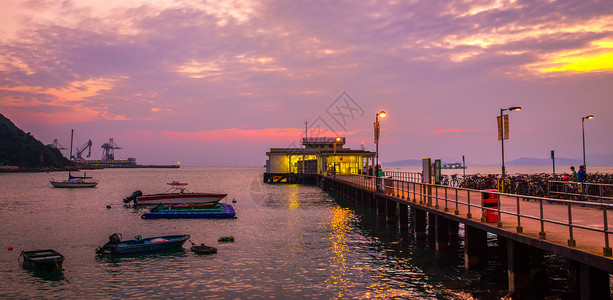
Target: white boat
(177, 194)
(75, 182)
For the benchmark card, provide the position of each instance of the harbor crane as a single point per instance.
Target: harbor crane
(57, 145)
(82, 149)
(109, 150)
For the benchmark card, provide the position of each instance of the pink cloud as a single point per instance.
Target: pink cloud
(452, 130)
(268, 134)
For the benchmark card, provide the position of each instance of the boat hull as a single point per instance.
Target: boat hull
(227, 213)
(60, 184)
(147, 245)
(179, 198)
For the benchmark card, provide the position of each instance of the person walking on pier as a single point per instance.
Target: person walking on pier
(573, 174)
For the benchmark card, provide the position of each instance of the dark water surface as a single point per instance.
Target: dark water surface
(291, 242)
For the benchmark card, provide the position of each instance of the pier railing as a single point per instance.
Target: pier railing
(587, 191)
(570, 221)
(406, 176)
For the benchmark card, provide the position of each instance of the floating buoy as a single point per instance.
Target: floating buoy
(143, 217)
(108, 206)
(226, 239)
(233, 200)
(10, 248)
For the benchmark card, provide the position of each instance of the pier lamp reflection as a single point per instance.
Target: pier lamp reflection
(339, 232)
(293, 199)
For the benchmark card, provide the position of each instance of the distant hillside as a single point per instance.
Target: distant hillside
(21, 149)
(524, 161)
(404, 163)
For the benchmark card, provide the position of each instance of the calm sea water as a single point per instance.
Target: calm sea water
(291, 242)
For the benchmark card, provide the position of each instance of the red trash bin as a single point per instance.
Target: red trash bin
(490, 200)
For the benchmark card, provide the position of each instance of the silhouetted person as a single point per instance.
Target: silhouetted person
(370, 171)
(573, 175)
(582, 175)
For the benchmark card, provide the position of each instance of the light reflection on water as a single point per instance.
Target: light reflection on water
(291, 242)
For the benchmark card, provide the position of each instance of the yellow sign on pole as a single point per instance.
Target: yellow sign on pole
(506, 127)
(503, 122)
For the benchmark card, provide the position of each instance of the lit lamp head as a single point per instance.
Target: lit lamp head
(514, 108)
(338, 139)
(381, 114)
(588, 117)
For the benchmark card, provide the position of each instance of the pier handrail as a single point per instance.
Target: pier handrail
(598, 192)
(408, 176)
(578, 215)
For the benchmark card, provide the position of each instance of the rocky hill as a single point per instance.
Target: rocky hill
(22, 150)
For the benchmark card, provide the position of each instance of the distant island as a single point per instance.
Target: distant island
(21, 152)
(594, 159)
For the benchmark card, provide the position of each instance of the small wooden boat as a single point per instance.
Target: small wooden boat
(203, 249)
(75, 182)
(177, 194)
(226, 213)
(49, 260)
(140, 245)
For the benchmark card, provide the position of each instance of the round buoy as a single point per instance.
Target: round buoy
(233, 200)
(10, 248)
(143, 217)
(108, 206)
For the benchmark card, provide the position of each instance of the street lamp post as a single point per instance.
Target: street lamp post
(583, 134)
(514, 108)
(381, 114)
(336, 140)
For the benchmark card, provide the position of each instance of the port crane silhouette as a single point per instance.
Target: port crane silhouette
(82, 148)
(108, 152)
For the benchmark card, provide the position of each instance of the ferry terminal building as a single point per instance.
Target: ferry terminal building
(319, 156)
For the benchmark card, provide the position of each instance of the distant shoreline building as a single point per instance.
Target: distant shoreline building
(319, 156)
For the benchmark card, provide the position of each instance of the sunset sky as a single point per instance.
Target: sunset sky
(209, 83)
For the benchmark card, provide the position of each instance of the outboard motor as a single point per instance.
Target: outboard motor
(132, 197)
(114, 239)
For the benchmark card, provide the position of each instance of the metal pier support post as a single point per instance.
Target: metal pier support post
(419, 223)
(454, 229)
(441, 232)
(381, 206)
(518, 263)
(391, 208)
(431, 227)
(403, 217)
(475, 247)
(588, 282)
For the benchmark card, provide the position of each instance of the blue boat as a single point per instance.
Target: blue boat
(140, 245)
(226, 213)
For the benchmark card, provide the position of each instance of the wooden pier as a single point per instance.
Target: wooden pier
(576, 230)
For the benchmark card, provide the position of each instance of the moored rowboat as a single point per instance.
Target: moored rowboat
(49, 259)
